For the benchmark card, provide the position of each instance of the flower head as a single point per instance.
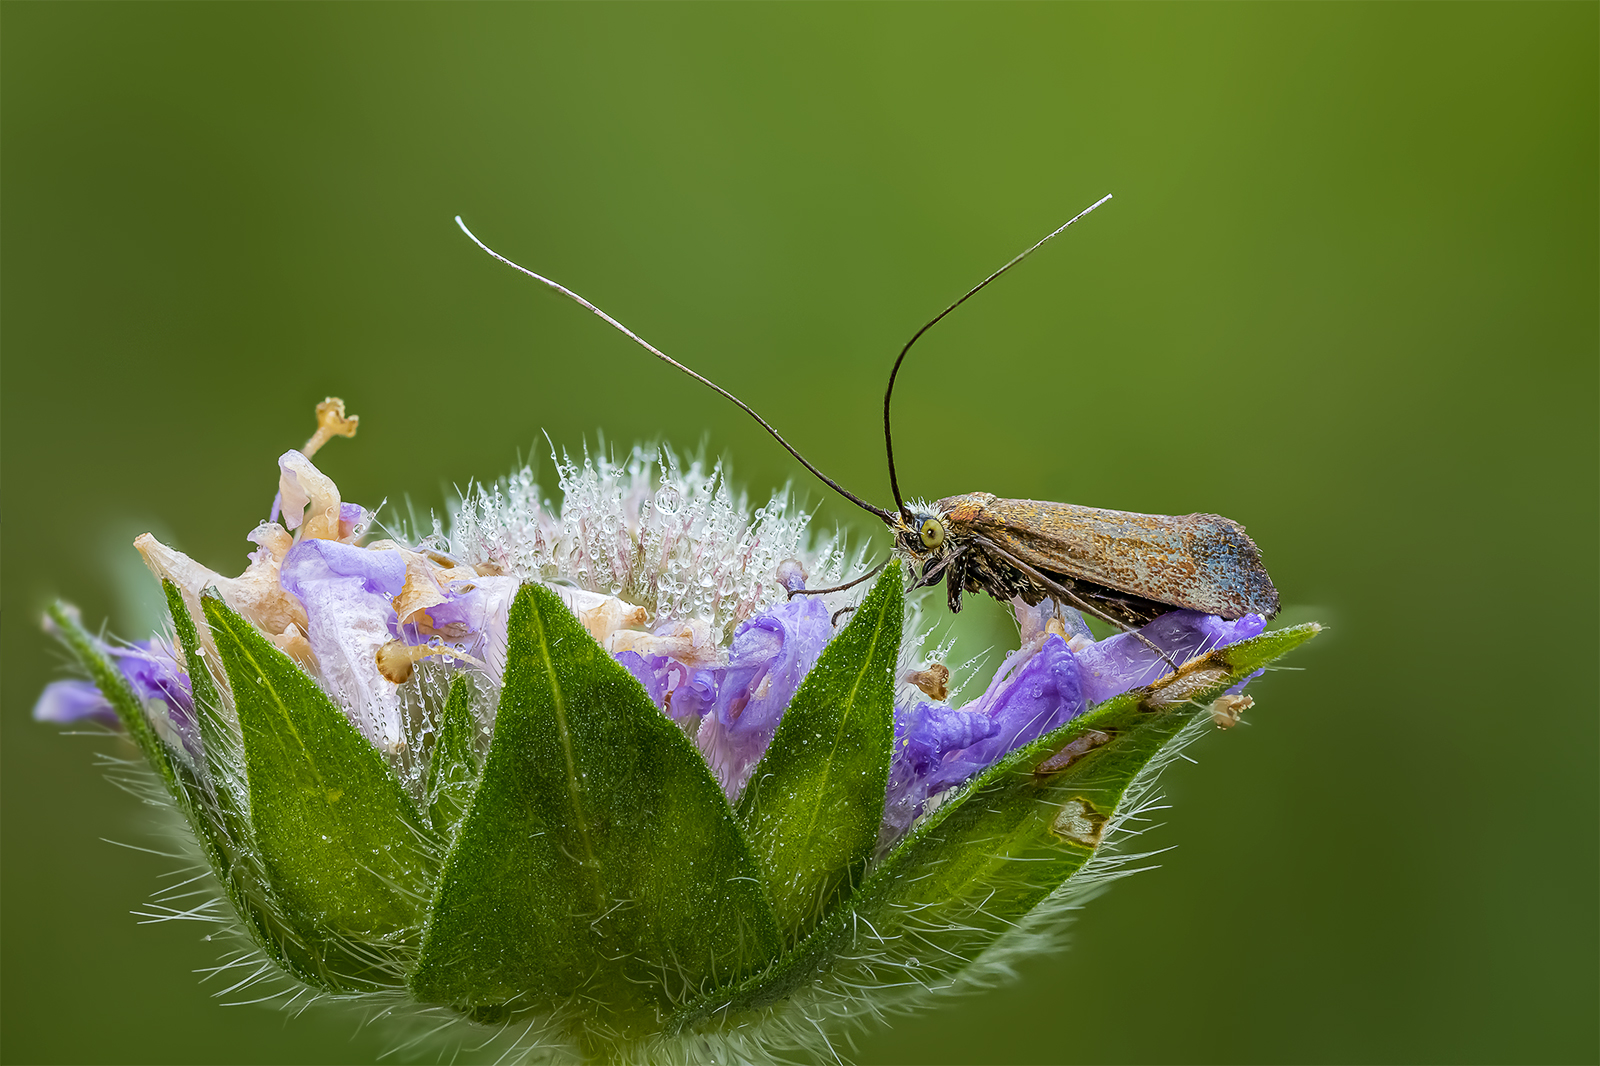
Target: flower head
(610, 767)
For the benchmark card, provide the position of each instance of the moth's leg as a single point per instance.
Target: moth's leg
(1057, 589)
(936, 571)
(955, 577)
(840, 588)
(842, 611)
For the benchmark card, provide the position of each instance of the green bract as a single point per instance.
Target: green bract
(582, 875)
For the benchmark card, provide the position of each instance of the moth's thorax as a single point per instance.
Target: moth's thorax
(964, 509)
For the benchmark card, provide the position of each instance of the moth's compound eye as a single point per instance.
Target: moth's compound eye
(932, 533)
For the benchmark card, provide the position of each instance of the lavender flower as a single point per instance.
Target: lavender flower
(1045, 683)
(153, 672)
(375, 731)
(732, 709)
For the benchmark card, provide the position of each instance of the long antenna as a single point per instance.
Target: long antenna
(888, 434)
(665, 358)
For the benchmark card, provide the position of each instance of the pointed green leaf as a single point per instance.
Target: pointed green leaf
(227, 821)
(979, 864)
(193, 799)
(213, 811)
(344, 848)
(213, 736)
(452, 768)
(220, 818)
(814, 803)
(598, 859)
(223, 828)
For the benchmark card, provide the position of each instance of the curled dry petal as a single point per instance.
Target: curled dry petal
(692, 643)
(933, 680)
(607, 618)
(294, 643)
(257, 594)
(425, 582)
(397, 660)
(310, 498)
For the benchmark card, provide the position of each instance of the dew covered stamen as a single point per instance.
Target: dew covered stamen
(675, 540)
(396, 660)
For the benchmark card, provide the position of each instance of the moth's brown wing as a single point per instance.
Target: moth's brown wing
(1201, 561)
(982, 569)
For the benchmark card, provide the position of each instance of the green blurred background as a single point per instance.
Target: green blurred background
(1346, 294)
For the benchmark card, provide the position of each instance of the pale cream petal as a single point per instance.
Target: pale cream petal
(421, 590)
(602, 615)
(692, 643)
(255, 594)
(301, 486)
(294, 643)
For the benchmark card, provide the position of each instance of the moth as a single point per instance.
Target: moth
(1120, 567)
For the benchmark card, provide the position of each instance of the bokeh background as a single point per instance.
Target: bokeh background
(1346, 294)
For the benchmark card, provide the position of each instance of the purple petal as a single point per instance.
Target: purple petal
(672, 686)
(347, 593)
(311, 561)
(351, 518)
(928, 732)
(1032, 693)
(923, 736)
(1123, 662)
(694, 694)
(770, 655)
(152, 672)
(73, 701)
(1039, 694)
(732, 710)
(937, 748)
(648, 672)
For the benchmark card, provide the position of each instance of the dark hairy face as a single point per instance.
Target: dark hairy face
(925, 541)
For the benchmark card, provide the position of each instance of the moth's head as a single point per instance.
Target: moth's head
(924, 536)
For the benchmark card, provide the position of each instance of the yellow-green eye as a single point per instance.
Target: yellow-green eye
(932, 533)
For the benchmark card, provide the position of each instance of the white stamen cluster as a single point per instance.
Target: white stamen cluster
(676, 541)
